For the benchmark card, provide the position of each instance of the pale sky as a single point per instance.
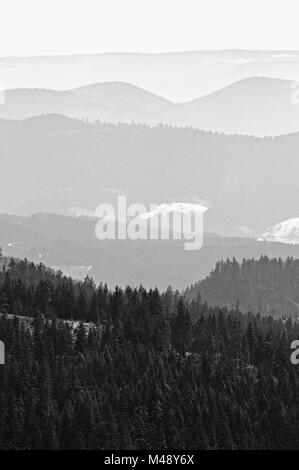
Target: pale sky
(45, 27)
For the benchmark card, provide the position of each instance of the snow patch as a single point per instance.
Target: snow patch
(284, 232)
(180, 207)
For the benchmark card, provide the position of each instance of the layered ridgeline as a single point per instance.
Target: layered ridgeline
(257, 106)
(70, 244)
(248, 184)
(142, 375)
(265, 286)
(186, 75)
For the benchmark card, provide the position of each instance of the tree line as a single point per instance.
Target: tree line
(266, 286)
(153, 371)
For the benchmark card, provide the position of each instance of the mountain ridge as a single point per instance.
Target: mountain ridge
(106, 160)
(253, 106)
(69, 244)
(178, 76)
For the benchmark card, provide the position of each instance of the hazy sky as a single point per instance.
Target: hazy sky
(40, 27)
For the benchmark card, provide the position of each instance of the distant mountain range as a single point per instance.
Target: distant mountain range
(70, 244)
(257, 106)
(180, 77)
(57, 164)
(110, 102)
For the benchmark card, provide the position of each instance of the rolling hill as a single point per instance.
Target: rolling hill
(110, 102)
(257, 106)
(177, 76)
(57, 164)
(70, 244)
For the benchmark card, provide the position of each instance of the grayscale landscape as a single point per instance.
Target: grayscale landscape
(149, 228)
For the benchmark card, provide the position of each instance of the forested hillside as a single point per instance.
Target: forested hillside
(265, 286)
(144, 376)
